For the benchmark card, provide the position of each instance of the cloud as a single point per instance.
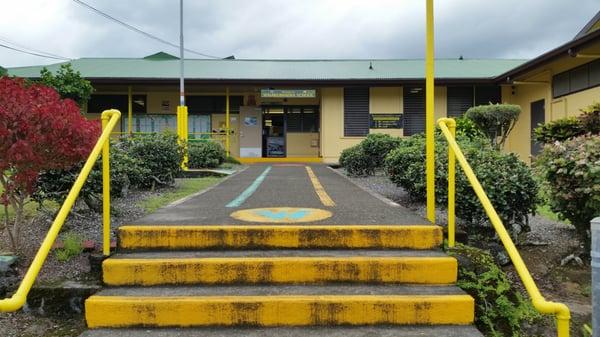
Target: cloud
(293, 29)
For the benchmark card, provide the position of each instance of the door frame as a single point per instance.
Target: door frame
(534, 147)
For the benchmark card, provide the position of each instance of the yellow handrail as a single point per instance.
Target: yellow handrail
(109, 121)
(560, 310)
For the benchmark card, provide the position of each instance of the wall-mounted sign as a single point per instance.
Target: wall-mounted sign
(288, 93)
(386, 121)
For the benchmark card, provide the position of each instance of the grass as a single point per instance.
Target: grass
(545, 211)
(183, 189)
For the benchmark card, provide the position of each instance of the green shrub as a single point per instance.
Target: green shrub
(496, 121)
(232, 160)
(500, 309)
(571, 174)
(376, 147)
(355, 161)
(125, 171)
(205, 155)
(159, 154)
(590, 119)
(368, 155)
(559, 130)
(72, 246)
(465, 127)
(508, 182)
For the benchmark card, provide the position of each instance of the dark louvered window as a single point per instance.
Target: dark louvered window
(487, 94)
(356, 111)
(414, 110)
(577, 79)
(460, 99)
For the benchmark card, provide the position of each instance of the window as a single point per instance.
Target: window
(577, 79)
(100, 102)
(414, 110)
(356, 111)
(486, 94)
(460, 99)
(213, 104)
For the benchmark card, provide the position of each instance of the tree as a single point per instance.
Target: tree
(496, 121)
(68, 83)
(39, 131)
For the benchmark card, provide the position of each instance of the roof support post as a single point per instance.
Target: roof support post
(129, 111)
(227, 126)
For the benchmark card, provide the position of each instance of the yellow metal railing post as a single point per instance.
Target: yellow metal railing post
(451, 123)
(17, 300)
(182, 133)
(105, 190)
(429, 114)
(560, 310)
(227, 127)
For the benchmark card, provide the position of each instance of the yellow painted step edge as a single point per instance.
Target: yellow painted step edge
(421, 270)
(116, 311)
(269, 236)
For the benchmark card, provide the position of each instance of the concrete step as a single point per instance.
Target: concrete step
(275, 267)
(279, 306)
(363, 331)
(279, 236)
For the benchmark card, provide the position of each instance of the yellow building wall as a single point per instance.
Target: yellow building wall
(386, 100)
(539, 87)
(302, 144)
(332, 125)
(381, 100)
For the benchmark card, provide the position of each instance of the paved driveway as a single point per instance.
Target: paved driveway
(285, 193)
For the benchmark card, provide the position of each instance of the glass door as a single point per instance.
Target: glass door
(273, 132)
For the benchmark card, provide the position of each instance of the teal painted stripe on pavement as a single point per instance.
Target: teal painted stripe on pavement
(250, 190)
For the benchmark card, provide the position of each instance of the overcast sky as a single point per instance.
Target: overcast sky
(292, 29)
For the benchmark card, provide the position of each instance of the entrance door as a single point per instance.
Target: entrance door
(250, 132)
(219, 126)
(537, 117)
(273, 132)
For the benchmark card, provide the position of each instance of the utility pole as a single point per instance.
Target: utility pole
(182, 111)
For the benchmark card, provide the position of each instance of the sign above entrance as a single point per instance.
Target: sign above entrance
(288, 93)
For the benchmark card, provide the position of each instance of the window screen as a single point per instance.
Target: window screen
(100, 102)
(414, 110)
(302, 119)
(460, 99)
(486, 94)
(578, 79)
(356, 111)
(560, 84)
(213, 104)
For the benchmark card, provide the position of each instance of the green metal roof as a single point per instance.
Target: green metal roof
(159, 66)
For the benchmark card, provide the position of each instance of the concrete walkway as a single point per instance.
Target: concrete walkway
(285, 185)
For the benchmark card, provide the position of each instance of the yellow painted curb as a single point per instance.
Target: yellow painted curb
(108, 311)
(280, 160)
(319, 189)
(274, 236)
(422, 270)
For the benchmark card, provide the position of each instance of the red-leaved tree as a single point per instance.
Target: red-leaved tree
(38, 131)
